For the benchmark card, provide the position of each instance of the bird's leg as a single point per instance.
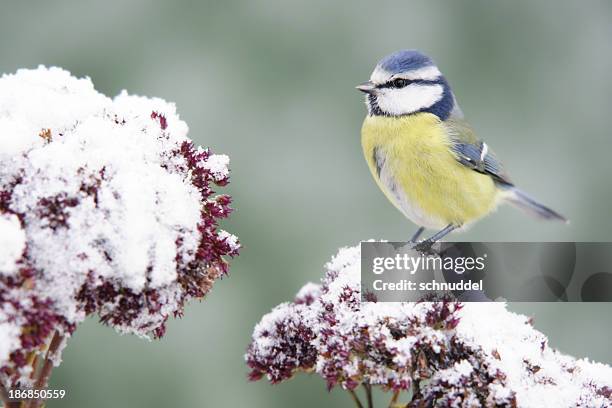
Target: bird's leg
(442, 233)
(416, 235)
(425, 245)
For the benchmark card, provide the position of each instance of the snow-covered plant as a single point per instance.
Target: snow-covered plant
(425, 354)
(106, 208)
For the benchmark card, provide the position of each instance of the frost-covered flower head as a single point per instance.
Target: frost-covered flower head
(106, 207)
(430, 353)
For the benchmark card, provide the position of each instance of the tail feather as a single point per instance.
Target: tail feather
(531, 206)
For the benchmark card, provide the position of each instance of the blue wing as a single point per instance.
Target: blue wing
(473, 152)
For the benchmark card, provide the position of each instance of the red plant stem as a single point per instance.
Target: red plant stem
(3, 395)
(45, 372)
(5, 399)
(416, 388)
(368, 388)
(393, 402)
(355, 399)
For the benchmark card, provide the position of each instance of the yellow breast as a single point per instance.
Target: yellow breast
(412, 162)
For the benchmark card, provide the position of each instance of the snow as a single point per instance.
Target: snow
(231, 239)
(520, 347)
(455, 374)
(308, 291)
(44, 98)
(150, 204)
(466, 352)
(218, 164)
(12, 243)
(9, 339)
(104, 203)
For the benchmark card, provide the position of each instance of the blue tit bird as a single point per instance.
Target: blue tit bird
(425, 157)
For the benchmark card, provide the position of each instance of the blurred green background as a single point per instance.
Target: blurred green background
(271, 84)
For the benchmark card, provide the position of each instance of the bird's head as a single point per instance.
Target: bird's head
(408, 82)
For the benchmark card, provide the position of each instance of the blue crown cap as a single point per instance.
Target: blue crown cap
(405, 60)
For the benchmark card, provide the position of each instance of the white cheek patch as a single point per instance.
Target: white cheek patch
(409, 99)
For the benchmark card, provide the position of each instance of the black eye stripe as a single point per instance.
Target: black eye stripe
(402, 83)
(396, 83)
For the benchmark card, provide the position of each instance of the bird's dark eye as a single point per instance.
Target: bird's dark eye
(400, 83)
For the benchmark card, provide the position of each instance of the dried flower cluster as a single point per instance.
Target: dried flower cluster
(106, 207)
(429, 353)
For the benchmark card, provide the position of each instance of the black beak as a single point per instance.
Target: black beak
(366, 87)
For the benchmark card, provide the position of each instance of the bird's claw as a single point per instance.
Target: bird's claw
(425, 247)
